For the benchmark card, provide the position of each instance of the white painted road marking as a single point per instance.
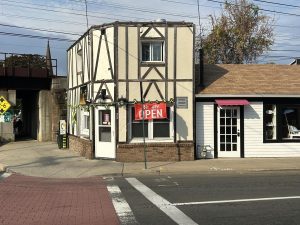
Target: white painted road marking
(173, 212)
(122, 208)
(236, 200)
(5, 175)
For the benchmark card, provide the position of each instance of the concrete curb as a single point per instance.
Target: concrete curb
(3, 167)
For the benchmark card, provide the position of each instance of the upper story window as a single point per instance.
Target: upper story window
(79, 59)
(152, 51)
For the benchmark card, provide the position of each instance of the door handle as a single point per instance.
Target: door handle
(238, 133)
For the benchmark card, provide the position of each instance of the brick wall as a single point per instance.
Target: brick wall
(83, 146)
(183, 151)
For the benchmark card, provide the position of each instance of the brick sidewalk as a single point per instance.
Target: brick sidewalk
(34, 201)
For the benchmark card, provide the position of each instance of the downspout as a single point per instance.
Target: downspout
(92, 109)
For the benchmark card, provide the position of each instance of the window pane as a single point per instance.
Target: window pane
(222, 138)
(228, 138)
(228, 112)
(105, 134)
(137, 130)
(234, 138)
(222, 147)
(234, 121)
(228, 121)
(145, 51)
(234, 147)
(86, 122)
(228, 130)
(228, 147)
(161, 130)
(222, 113)
(234, 130)
(157, 49)
(104, 117)
(222, 130)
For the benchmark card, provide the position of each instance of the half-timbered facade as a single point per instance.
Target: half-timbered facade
(114, 66)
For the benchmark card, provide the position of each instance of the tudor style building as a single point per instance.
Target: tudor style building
(114, 66)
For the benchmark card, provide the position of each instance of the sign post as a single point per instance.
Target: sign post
(143, 118)
(148, 111)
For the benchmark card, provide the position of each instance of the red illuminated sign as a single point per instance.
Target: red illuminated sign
(151, 111)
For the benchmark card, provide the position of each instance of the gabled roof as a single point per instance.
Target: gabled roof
(251, 79)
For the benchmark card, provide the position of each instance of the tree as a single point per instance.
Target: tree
(239, 35)
(24, 61)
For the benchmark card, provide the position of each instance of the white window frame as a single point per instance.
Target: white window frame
(150, 137)
(79, 59)
(84, 123)
(151, 42)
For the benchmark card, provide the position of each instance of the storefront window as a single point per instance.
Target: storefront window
(291, 122)
(154, 129)
(282, 122)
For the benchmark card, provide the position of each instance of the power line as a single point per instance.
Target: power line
(276, 3)
(35, 36)
(261, 9)
(44, 19)
(38, 29)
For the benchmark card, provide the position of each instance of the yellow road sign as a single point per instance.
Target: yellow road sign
(4, 105)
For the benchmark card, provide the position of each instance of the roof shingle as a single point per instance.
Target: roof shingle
(251, 79)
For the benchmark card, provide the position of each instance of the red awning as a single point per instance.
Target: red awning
(229, 102)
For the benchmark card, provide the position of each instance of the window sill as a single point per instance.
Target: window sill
(151, 63)
(160, 140)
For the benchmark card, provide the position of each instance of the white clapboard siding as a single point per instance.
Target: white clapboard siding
(205, 124)
(254, 146)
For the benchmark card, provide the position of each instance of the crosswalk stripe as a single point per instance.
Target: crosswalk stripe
(172, 211)
(236, 200)
(122, 208)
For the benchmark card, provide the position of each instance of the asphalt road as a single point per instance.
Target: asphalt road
(271, 198)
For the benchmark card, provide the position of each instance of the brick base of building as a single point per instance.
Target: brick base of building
(183, 151)
(82, 146)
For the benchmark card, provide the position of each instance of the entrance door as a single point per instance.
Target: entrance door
(105, 132)
(229, 132)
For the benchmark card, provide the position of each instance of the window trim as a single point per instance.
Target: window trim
(151, 42)
(84, 121)
(150, 137)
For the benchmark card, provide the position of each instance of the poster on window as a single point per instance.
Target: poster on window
(151, 111)
(106, 118)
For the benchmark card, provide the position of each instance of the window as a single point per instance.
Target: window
(157, 129)
(85, 123)
(104, 125)
(152, 51)
(282, 122)
(79, 59)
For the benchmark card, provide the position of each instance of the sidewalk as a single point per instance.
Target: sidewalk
(44, 159)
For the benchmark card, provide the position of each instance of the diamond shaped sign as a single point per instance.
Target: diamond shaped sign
(4, 105)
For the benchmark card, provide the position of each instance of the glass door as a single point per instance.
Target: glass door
(229, 132)
(105, 132)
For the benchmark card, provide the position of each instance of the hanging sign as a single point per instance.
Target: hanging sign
(151, 111)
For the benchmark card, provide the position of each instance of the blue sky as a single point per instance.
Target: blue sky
(66, 20)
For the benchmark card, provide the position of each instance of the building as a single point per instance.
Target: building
(249, 111)
(115, 66)
(36, 95)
